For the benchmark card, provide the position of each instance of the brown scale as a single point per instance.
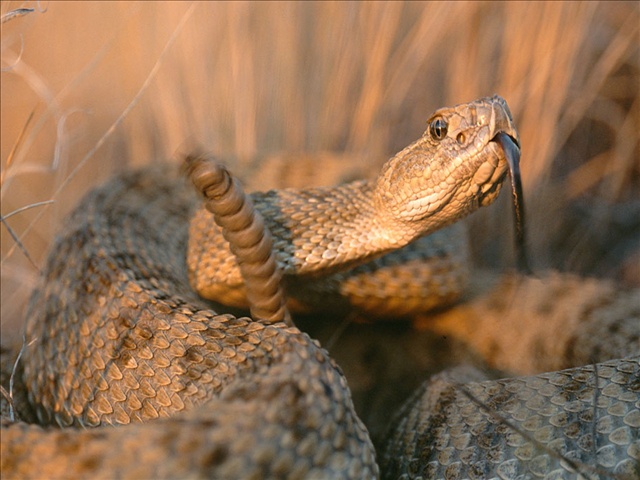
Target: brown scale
(240, 398)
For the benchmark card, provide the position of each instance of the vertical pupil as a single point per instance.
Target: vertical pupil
(438, 129)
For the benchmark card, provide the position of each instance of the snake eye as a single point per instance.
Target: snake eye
(438, 128)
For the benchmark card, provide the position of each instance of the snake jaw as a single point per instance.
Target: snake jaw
(490, 174)
(428, 205)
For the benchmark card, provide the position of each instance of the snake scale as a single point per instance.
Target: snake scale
(123, 331)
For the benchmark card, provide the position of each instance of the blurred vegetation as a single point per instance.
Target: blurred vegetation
(91, 88)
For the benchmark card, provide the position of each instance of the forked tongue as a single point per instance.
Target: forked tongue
(512, 154)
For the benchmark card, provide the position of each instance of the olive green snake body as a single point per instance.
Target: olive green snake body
(120, 333)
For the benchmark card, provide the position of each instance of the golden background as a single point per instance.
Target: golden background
(91, 88)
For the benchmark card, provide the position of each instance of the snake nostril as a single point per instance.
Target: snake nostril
(461, 138)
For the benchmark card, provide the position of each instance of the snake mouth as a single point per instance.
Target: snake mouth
(499, 138)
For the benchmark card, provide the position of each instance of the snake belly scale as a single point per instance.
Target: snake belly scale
(122, 331)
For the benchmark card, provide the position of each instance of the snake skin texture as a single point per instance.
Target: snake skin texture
(430, 184)
(527, 427)
(117, 335)
(163, 352)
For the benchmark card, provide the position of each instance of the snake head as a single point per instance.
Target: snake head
(456, 167)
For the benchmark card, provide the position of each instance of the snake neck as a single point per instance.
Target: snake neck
(317, 230)
(328, 229)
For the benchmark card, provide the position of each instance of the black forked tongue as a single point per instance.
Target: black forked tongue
(512, 153)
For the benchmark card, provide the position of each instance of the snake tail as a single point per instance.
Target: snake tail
(244, 228)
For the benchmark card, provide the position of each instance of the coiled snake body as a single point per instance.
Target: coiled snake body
(119, 334)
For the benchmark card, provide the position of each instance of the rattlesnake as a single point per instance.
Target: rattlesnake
(117, 336)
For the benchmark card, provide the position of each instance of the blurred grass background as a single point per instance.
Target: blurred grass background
(92, 88)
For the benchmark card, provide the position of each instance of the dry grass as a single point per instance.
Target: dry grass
(89, 89)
